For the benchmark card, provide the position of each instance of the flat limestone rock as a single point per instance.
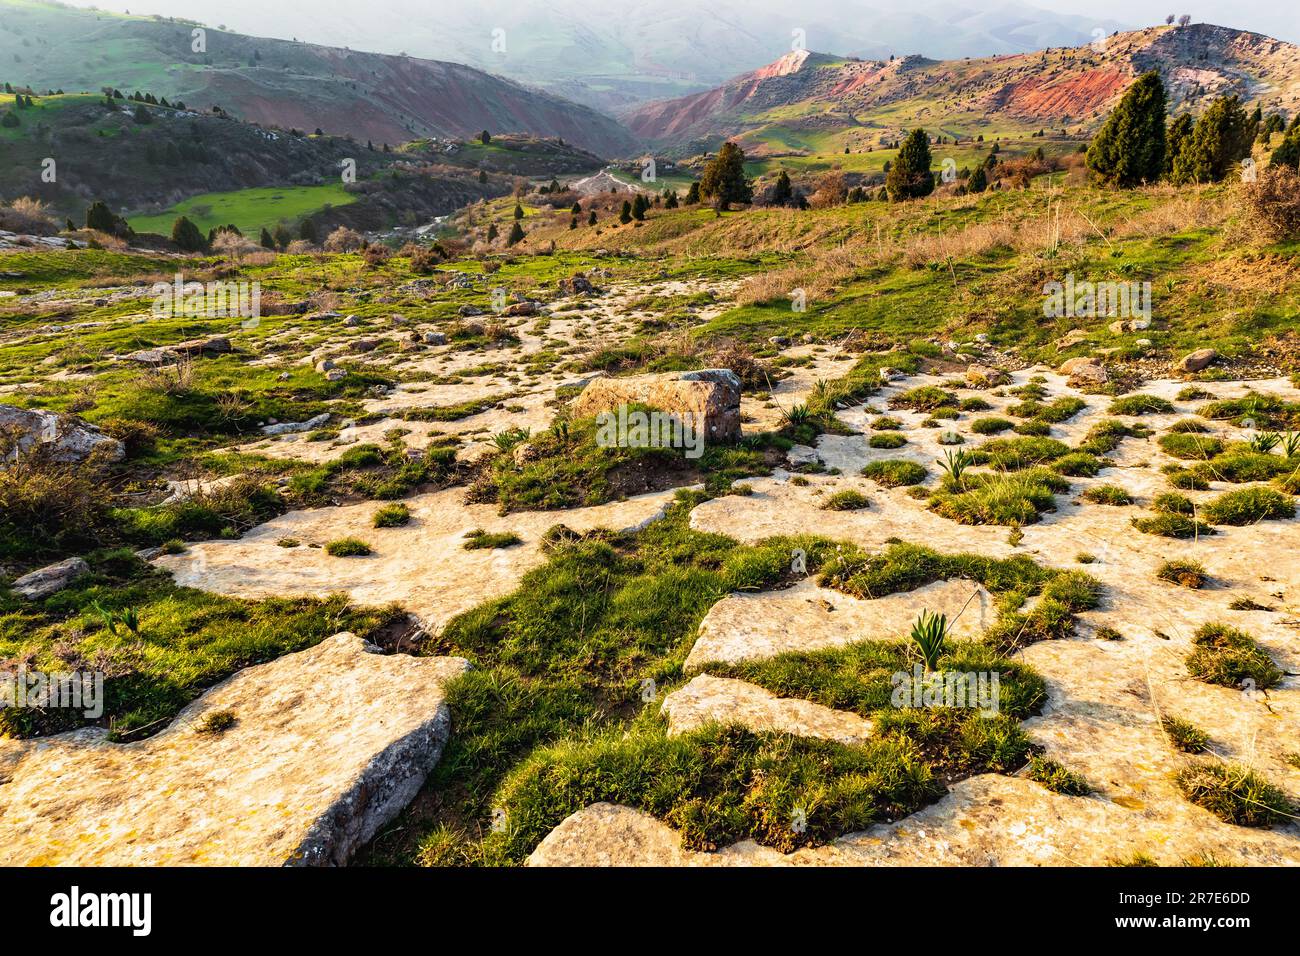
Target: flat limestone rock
(808, 618)
(707, 700)
(423, 565)
(328, 745)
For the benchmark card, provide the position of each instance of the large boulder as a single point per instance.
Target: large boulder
(710, 396)
(317, 751)
(69, 439)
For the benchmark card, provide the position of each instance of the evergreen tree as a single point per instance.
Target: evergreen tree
(142, 115)
(911, 177)
(1222, 136)
(266, 241)
(573, 223)
(186, 235)
(492, 232)
(693, 194)
(591, 219)
(1129, 149)
(625, 216)
(979, 181)
(516, 234)
(484, 137)
(671, 201)
(1180, 131)
(100, 218)
(723, 179)
(639, 206)
(307, 232)
(482, 175)
(519, 212)
(577, 208)
(283, 236)
(782, 191)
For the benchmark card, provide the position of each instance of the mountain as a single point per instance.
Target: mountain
(811, 102)
(378, 97)
(613, 58)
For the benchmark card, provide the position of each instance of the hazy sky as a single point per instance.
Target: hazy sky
(312, 19)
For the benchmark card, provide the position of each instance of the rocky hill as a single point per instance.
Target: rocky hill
(835, 102)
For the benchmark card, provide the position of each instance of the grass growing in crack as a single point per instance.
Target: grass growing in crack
(1185, 446)
(1235, 794)
(990, 426)
(1141, 405)
(1249, 505)
(847, 500)
(1168, 525)
(1057, 778)
(887, 440)
(391, 516)
(924, 398)
(348, 548)
(1185, 735)
(1107, 495)
(895, 472)
(185, 641)
(1187, 574)
(1000, 499)
(478, 539)
(1228, 657)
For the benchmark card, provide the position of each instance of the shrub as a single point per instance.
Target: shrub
(1014, 454)
(1271, 204)
(1186, 479)
(884, 423)
(347, 548)
(1170, 502)
(1226, 656)
(924, 398)
(1009, 500)
(895, 472)
(1249, 505)
(1188, 574)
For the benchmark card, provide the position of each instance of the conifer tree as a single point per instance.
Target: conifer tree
(910, 176)
(1129, 149)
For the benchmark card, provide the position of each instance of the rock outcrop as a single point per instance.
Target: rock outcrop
(710, 397)
(326, 746)
(49, 580)
(69, 440)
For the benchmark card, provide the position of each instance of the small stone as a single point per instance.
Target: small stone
(48, 580)
(1195, 361)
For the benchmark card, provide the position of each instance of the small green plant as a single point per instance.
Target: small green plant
(991, 425)
(215, 723)
(392, 516)
(847, 500)
(1083, 557)
(929, 631)
(1185, 735)
(886, 423)
(288, 543)
(1057, 778)
(127, 617)
(1108, 633)
(954, 464)
(797, 415)
(1187, 574)
(347, 548)
(1291, 444)
(507, 439)
(1141, 405)
(1265, 442)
